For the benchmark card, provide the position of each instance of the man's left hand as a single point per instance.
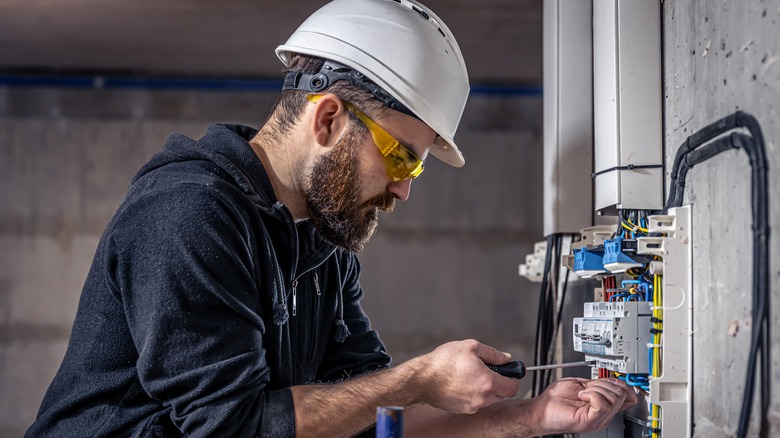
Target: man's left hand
(574, 405)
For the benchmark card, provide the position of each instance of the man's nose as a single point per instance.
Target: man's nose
(400, 189)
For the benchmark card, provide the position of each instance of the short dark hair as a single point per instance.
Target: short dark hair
(288, 107)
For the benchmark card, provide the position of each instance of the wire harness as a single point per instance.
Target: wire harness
(700, 146)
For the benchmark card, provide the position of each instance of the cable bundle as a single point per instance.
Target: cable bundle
(550, 310)
(705, 144)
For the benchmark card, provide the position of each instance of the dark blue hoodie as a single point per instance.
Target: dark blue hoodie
(205, 302)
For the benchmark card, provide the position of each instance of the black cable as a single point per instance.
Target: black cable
(552, 310)
(563, 298)
(540, 313)
(549, 313)
(544, 349)
(560, 314)
(760, 208)
(690, 159)
(689, 155)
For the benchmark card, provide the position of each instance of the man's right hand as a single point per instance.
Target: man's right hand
(455, 378)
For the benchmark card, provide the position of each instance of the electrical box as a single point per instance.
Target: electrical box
(628, 137)
(568, 115)
(640, 327)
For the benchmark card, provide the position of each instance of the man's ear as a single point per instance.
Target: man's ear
(328, 122)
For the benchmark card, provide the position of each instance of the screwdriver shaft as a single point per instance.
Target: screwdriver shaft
(562, 365)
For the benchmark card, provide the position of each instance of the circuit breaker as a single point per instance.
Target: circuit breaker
(615, 335)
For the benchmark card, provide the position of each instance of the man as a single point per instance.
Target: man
(224, 298)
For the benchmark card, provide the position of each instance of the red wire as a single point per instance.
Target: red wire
(608, 283)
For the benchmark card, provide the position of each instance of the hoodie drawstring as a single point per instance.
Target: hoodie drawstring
(342, 331)
(281, 316)
(341, 327)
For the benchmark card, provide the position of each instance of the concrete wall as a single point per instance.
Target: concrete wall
(442, 267)
(500, 39)
(720, 57)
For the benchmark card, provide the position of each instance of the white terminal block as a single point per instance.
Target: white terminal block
(533, 268)
(615, 335)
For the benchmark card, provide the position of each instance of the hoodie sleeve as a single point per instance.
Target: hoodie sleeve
(362, 351)
(183, 270)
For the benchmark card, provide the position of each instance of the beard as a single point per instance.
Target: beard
(332, 194)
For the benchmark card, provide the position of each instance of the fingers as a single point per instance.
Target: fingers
(459, 379)
(606, 398)
(582, 405)
(603, 397)
(501, 386)
(631, 399)
(506, 386)
(490, 355)
(614, 391)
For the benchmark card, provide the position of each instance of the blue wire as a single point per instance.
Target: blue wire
(650, 359)
(638, 380)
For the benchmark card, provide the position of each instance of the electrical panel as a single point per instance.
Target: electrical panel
(638, 328)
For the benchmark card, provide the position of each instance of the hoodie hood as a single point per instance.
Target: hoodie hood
(226, 146)
(226, 150)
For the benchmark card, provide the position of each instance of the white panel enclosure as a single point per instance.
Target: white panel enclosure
(568, 116)
(627, 100)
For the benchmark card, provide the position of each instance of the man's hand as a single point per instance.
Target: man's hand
(581, 405)
(457, 380)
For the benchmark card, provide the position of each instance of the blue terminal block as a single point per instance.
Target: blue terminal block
(616, 257)
(588, 262)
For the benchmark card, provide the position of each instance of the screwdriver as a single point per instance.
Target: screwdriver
(516, 369)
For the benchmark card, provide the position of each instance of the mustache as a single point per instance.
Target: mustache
(384, 202)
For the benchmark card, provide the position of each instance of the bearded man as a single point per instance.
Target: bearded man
(224, 297)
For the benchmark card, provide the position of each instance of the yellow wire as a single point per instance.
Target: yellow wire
(658, 326)
(631, 228)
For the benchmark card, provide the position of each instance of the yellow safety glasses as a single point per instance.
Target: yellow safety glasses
(401, 163)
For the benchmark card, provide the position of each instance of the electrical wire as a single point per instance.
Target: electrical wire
(550, 311)
(657, 360)
(541, 319)
(700, 146)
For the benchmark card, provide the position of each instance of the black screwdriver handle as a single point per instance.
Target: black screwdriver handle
(514, 369)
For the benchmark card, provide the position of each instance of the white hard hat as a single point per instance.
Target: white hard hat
(401, 46)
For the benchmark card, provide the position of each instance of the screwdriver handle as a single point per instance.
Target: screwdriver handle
(514, 369)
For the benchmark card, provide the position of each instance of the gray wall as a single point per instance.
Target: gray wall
(500, 39)
(442, 267)
(719, 57)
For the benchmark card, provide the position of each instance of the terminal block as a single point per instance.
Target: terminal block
(615, 335)
(620, 254)
(588, 262)
(533, 268)
(590, 239)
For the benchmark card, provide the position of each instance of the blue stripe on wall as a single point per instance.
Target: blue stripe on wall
(214, 84)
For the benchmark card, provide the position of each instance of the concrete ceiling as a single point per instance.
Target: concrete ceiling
(501, 40)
